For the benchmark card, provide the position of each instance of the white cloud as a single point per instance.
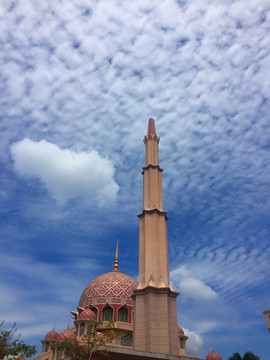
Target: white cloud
(65, 173)
(191, 286)
(194, 343)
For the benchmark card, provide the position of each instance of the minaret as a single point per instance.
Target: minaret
(155, 320)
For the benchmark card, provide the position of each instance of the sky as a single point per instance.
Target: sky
(78, 82)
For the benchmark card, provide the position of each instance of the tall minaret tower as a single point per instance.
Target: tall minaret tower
(155, 320)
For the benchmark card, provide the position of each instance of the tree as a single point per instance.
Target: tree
(11, 346)
(99, 335)
(248, 356)
(235, 356)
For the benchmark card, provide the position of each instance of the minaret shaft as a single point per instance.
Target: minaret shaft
(151, 149)
(153, 260)
(155, 324)
(152, 188)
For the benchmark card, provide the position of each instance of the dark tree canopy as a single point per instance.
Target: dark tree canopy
(235, 356)
(248, 356)
(12, 346)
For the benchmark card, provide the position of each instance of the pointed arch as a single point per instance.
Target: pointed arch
(127, 340)
(182, 344)
(122, 314)
(82, 328)
(94, 309)
(107, 313)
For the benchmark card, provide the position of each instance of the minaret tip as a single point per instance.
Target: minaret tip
(151, 127)
(68, 323)
(116, 258)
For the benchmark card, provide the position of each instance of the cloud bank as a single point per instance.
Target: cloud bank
(80, 71)
(191, 286)
(65, 173)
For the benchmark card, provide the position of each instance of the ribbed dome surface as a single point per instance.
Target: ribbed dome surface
(66, 334)
(180, 331)
(113, 284)
(51, 336)
(87, 314)
(213, 356)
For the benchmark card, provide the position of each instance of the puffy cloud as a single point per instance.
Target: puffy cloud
(65, 173)
(192, 287)
(194, 343)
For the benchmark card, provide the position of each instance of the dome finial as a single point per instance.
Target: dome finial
(54, 326)
(213, 347)
(68, 323)
(116, 258)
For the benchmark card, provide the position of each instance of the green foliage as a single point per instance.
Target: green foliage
(100, 333)
(235, 356)
(248, 356)
(12, 346)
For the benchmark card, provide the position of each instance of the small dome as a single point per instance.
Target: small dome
(213, 356)
(51, 336)
(20, 357)
(111, 285)
(88, 314)
(66, 335)
(180, 331)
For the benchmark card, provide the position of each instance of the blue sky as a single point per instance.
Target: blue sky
(78, 82)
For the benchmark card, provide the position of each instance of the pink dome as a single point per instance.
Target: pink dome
(20, 357)
(88, 314)
(66, 335)
(108, 287)
(213, 356)
(180, 331)
(51, 336)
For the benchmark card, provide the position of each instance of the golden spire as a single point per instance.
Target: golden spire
(213, 347)
(68, 323)
(116, 258)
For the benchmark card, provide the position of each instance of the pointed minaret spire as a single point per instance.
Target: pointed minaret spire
(151, 144)
(151, 127)
(155, 323)
(116, 258)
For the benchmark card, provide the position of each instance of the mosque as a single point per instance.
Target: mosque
(143, 314)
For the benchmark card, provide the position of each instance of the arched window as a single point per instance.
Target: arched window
(107, 313)
(127, 340)
(47, 347)
(123, 314)
(89, 329)
(82, 329)
(94, 310)
(182, 344)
